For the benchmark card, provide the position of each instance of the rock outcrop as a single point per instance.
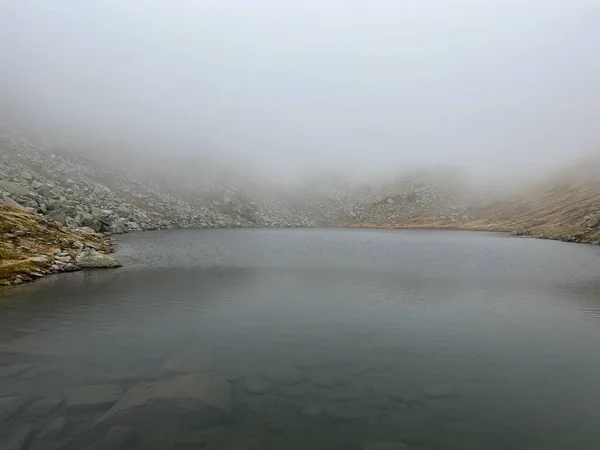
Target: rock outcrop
(32, 246)
(93, 259)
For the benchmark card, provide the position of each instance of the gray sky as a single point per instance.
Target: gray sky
(351, 84)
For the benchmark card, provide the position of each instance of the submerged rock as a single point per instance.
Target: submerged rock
(9, 406)
(93, 395)
(196, 398)
(92, 259)
(118, 437)
(14, 369)
(257, 385)
(285, 375)
(53, 429)
(312, 411)
(189, 361)
(44, 406)
(18, 440)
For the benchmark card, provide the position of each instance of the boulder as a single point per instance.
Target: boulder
(116, 438)
(18, 440)
(189, 361)
(14, 369)
(285, 375)
(124, 211)
(591, 221)
(45, 405)
(192, 399)
(312, 411)
(53, 428)
(257, 385)
(93, 395)
(13, 188)
(9, 406)
(92, 259)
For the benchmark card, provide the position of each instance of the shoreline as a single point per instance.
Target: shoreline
(33, 247)
(577, 238)
(47, 257)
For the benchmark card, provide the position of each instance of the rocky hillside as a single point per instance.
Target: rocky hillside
(108, 194)
(111, 195)
(564, 205)
(80, 191)
(32, 246)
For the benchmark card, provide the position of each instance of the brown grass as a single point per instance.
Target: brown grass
(39, 237)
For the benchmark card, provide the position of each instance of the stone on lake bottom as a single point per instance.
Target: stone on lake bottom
(285, 375)
(257, 385)
(93, 395)
(44, 406)
(189, 361)
(14, 370)
(9, 406)
(118, 437)
(53, 429)
(18, 440)
(312, 411)
(195, 398)
(439, 392)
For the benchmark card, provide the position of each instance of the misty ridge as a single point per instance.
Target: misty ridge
(340, 113)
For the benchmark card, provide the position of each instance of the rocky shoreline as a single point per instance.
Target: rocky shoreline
(65, 194)
(33, 247)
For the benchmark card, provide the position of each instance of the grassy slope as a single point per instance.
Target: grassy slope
(553, 208)
(38, 234)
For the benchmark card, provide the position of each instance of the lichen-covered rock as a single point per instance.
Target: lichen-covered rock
(92, 259)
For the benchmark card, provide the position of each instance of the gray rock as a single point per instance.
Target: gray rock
(285, 375)
(18, 440)
(117, 438)
(201, 398)
(93, 395)
(14, 188)
(257, 385)
(439, 392)
(44, 406)
(40, 259)
(14, 369)
(92, 259)
(123, 211)
(189, 361)
(592, 222)
(54, 428)
(9, 406)
(312, 411)
(326, 379)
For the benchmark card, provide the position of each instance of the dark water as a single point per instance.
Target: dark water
(331, 339)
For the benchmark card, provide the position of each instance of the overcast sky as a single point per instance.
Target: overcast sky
(363, 84)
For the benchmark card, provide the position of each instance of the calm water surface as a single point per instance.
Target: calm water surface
(330, 339)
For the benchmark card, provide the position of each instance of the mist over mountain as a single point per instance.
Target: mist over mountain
(120, 116)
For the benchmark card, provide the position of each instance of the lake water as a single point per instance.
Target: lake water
(328, 339)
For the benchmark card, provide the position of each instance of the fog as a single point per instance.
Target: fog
(506, 87)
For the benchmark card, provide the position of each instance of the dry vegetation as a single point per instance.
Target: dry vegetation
(564, 206)
(26, 238)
